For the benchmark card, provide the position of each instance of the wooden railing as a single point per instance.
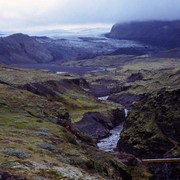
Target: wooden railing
(164, 160)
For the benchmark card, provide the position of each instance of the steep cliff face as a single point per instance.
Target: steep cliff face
(152, 127)
(20, 48)
(159, 33)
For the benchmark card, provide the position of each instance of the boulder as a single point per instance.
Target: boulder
(97, 126)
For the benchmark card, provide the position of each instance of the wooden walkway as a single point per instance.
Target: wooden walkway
(164, 160)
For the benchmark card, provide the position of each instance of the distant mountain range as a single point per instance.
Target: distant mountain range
(158, 33)
(23, 49)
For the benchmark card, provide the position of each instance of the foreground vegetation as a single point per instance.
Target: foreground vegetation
(38, 109)
(33, 145)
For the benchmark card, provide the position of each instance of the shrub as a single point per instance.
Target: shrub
(64, 159)
(42, 134)
(71, 138)
(49, 147)
(15, 152)
(43, 129)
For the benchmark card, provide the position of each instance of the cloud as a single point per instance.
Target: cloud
(28, 13)
(12, 15)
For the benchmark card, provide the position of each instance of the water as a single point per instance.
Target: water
(103, 98)
(126, 112)
(110, 143)
(61, 69)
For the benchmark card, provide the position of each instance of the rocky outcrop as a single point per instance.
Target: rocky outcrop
(158, 33)
(97, 126)
(125, 99)
(135, 77)
(103, 88)
(7, 175)
(22, 49)
(52, 87)
(152, 127)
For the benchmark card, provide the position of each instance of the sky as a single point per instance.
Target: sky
(19, 14)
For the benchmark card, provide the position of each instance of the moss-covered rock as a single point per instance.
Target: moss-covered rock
(152, 127)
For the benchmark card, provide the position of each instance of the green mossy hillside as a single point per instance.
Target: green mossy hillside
(152, 127)
(33, 146)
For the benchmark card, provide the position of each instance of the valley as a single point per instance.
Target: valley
(88, 108)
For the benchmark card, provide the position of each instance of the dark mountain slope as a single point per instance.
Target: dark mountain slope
(159, 33)
(20, 48)
(170, 53)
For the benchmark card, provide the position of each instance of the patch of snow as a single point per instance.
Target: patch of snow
(104, 98)
(61, 72)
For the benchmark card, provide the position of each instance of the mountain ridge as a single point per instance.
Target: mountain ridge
(158, 33)
(21, 48)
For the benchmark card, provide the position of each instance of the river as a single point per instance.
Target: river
(110, 143)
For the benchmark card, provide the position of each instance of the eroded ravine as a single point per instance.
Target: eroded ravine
(110, 143)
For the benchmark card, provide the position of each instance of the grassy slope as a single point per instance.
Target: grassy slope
(27, 119)
(75, 101)
(105, 61)
(157, 73)
(32, 146)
